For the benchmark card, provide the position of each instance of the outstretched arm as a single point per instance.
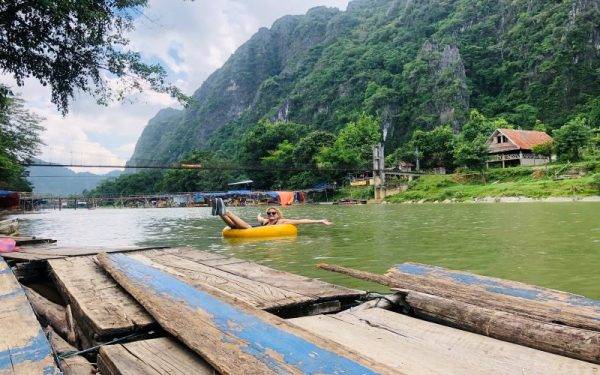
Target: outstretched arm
(305, 221)
(261, 219)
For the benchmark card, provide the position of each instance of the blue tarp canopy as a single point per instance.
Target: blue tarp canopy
(6, 193)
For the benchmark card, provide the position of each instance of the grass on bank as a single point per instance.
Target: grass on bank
(581, 179)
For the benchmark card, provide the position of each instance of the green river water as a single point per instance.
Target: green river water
(556, 245)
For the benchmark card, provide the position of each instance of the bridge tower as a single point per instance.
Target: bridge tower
(379, 172)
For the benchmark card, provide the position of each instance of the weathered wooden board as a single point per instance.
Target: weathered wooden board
(24, 348)
(82, 283)
(55, 252)
(559, 339)
(155, 356)
(415, 346)
(231, 335)
(258, 294)
(511, 296)
(316, 290)
(73, 365)
(97, 302)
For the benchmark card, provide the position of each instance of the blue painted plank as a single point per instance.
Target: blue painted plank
(24, 348)
(499, 286)
(253, 340)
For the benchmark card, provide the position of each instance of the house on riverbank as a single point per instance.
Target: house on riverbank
(509, 148)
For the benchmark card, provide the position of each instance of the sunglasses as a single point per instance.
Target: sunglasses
(271, 213)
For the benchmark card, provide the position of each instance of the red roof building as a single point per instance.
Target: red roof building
(509, 147)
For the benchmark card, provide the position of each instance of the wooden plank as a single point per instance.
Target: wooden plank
(415, 346)
(44, 253)
(19, 256)
(569, 341)
(24, 348)
(73, 365)
(526, 300)
(155, 356)
(315, 289)
(258, 294)
(97, 302)
(232, 336)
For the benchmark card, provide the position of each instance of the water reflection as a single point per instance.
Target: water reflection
(551, 244)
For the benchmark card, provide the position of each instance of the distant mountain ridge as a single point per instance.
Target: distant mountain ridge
(63, 181)
(414, 64)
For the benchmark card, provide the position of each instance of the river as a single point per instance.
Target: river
(556, 245)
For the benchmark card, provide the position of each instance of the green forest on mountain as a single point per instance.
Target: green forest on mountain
(317, 91)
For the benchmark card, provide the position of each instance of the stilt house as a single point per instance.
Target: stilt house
(509, 147)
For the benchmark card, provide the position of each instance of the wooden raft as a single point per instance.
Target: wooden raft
(154, 356)
(24, 348)
(107, 310)
(415, 346)
(234, 337)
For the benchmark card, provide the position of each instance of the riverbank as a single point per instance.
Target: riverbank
(553, 183)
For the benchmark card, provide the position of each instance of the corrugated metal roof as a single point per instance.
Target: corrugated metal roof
(525, 139)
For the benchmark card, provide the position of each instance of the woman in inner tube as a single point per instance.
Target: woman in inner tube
(274, 217)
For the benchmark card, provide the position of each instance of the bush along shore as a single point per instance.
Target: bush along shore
(558, 182)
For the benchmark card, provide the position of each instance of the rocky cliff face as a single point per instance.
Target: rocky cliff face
(414, 64)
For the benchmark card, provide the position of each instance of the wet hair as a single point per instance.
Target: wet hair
(276, 210)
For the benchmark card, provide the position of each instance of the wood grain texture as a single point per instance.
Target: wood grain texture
(152, 357)
(415, 346)
(24, 348)
(50, 313)
(258, 285)
(97, 302)
(522, 299)
(74, 365)
(315, 289)
(55, 252)
(82, 283)
(232, 336)
(554, 338)
(258, 294)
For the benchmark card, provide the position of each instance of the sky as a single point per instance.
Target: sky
(191, 39)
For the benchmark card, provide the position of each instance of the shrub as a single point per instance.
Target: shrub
(596, 182)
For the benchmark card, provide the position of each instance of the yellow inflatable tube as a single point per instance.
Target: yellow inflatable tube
(279, 230)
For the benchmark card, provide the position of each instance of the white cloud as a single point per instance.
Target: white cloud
(191, 39)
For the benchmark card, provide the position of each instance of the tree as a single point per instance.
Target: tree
(186, 180)
(571, 138)
(309, 147)
(471, 154)
(353, 148)
(76, 45)
(19, 140)
(259, 144)
(524, 115)
(544, 149)
(435, 146)
(478, 125)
